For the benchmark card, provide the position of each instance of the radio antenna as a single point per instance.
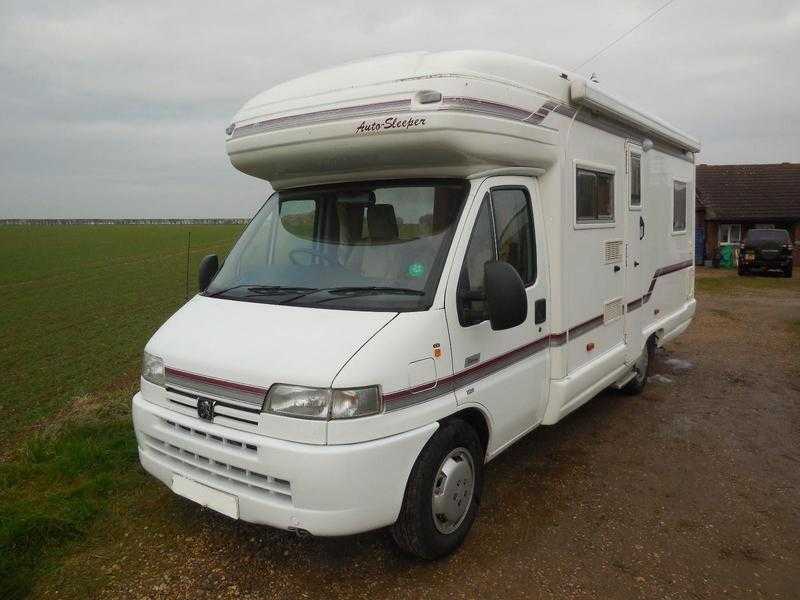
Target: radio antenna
(624, 35)
(188, 254)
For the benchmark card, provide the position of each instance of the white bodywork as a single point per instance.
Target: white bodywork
(495, 120)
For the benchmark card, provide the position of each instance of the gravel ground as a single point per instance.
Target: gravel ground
(690, 490)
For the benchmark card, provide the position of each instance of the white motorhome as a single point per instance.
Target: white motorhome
(461, 246)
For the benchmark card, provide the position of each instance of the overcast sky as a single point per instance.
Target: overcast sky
(119, 110)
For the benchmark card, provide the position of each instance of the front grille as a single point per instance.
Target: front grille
(218, 474)
(224, 408)
(216, 388)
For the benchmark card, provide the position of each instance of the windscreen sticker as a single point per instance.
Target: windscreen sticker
(389, 123)
(416, 270)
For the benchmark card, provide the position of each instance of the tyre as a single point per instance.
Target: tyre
(742, 271)
(442, 494)
(641, 370)
(787, 272)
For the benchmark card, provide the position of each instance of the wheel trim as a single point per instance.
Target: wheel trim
(453, 490)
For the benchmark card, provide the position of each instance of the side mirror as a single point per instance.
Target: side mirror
(505, 295)
(208, 268)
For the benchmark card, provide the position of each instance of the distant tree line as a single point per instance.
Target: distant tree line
(123, 221)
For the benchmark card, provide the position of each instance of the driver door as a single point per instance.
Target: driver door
(505, 371)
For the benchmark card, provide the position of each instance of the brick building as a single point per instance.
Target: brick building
(730, 199)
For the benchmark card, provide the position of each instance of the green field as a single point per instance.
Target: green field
(77, 304)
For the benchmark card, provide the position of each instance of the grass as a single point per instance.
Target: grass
(53, 489)
(730, 282)
(77, 304)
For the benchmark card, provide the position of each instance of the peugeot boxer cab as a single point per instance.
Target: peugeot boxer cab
(453, 255)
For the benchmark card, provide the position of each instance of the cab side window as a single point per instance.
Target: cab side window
(514, 231)
(472, 308)
(503, 231)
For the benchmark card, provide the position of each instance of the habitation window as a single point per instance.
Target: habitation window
(594, 196)
(679, 206)
(636, 181)
(730, 234)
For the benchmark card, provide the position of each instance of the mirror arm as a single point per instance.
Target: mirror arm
(472, 295)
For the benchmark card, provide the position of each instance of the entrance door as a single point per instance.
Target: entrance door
(635, 240)
(505, 371)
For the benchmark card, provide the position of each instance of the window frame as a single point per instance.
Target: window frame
(640, 155)
(487, 197)
(584, 165)
(531, 222)
(729, 241)
(686, 209)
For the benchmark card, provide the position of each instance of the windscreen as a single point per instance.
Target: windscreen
(758, 236)
(366, 246)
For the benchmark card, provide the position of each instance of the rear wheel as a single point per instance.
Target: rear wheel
(441, 499)
(641, 369)
(787, 272)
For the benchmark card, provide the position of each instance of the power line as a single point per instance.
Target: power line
(627, 33)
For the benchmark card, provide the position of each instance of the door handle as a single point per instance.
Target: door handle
(636, 263)
(540, 311)
(617, 268)
(641, 227)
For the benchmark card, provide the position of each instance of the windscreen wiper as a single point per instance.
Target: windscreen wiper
(353, 291)
(266, 290)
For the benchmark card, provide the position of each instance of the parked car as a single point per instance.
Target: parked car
(766, 250)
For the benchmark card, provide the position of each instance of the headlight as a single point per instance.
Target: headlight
(153, 369)
(298, 401)
(357, 402)
(323, 403)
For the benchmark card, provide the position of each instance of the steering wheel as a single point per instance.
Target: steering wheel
(326, 259)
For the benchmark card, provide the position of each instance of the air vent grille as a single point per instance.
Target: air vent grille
(612, 310)
(612, 251)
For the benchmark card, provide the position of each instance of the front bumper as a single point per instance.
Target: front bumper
(325, 490)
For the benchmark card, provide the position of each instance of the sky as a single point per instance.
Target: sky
(118, 110)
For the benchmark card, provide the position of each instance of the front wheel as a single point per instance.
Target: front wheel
(441, 499)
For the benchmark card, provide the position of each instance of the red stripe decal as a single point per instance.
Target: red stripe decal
(213, 381)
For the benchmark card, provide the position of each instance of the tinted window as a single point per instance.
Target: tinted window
(755, 236)
(636, 180)
(504, 231)
(514, 231)
(594, 196)
(679, 206)
(481, 250)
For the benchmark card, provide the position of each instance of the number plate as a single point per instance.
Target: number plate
(221, 502)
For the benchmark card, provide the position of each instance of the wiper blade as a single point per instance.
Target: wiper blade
(272, 290)
(352, 292)
(375, 288)
(265, 290)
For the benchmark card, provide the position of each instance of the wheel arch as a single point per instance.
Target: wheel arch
(476, 418)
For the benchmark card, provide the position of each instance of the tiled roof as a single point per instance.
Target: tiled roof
(750, 192)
